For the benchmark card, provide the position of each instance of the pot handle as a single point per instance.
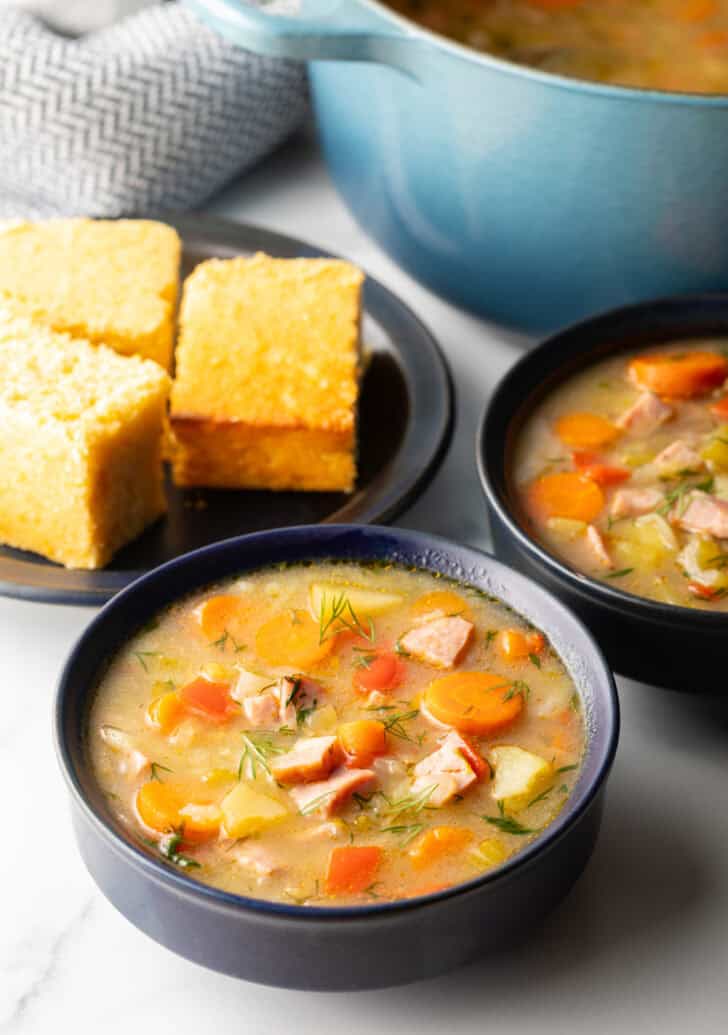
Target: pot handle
(320, 30)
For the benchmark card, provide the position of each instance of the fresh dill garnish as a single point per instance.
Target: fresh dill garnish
(168, 847)
(566, 768)
(406, 831)
(341, 613)
(257, 752)
(315, 803)
(142, 657)
(501, 807)
(574, 702)
(227, 637)
(540, 797)
(508, 825)
(490, 635)
(563, 789)
(517, 687)
(677, 497)
(411, 803)
(535, 660)
(620, 574)
(394, 724)
(365, 658)
(155, 769)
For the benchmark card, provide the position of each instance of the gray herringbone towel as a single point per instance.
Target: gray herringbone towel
(155, 112)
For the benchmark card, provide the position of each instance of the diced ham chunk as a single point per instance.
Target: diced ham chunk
(260, 858)
(262, 711)
(310, 759)
(278, 705)
(634, 502)
(448, 771)
(597, 547)
(645, 415)
(678, 457)
(440, 643)
(703, 514)
(324, 797)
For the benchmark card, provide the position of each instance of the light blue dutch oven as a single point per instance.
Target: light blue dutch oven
(528, 198)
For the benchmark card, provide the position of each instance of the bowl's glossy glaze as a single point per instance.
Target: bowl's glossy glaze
(675, 647)
(334, 948)
(526, 197)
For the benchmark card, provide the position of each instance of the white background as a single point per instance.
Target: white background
(641, 944)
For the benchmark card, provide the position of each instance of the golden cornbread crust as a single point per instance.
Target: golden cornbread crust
(80, 444)
(108, 281)
(267, 375)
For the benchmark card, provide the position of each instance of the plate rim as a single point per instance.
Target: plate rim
(409, 487)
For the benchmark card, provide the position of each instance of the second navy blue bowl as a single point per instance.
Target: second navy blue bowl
(335, 948)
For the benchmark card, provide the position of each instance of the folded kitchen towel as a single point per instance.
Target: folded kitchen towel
(154, 112)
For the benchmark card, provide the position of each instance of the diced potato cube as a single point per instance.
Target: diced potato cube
(642, 544)
(323, 719)
(716, 450)
(637, 457)
(327, 598)
(566, 528)
(218, 673)
(489, 853)
(720, 486)
(520, 776)
(657, 525)
(246, 811)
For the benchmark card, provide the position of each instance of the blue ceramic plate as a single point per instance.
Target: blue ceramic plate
(405, 423)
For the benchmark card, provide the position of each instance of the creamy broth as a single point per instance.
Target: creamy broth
(623, 473)
(679, 45)
(336, 734)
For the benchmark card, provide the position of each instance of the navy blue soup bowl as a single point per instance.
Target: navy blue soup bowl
(368, 946)
(678, 648)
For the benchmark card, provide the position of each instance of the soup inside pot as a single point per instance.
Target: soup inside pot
(332, 734)
(676, 45)
(622, 472)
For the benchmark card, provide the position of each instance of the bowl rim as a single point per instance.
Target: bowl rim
(606, 735)
(626, 93)
(538, 360)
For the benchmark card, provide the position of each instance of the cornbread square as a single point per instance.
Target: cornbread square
(81, 432)
(267, 375)
(110, 281)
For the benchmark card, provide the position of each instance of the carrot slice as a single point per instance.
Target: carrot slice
(680, 376)
(514, 644)
(566, 494)
(703, 592)
(352, 868)
(209, 701)
(382, 670)
(586, 430)
(440, 603)
(199, 823)
(713, 39)
(158, 805)
(695, 10)
(474, 702)
(165, 712)
(222, 615)
(292, 638)
(436, 843)
(362, 741)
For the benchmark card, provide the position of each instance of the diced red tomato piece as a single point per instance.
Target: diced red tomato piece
(208, 700)
(380, 670)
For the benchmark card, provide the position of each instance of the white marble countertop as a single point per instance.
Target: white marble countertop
(641, 944)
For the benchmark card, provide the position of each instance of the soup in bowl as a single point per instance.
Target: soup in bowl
(335, 757)
(675, 45)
